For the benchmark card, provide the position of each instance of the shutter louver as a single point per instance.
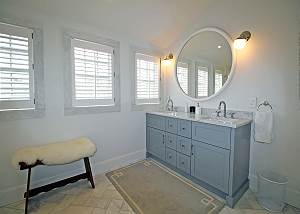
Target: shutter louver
(182, 75)
(202, 81)
(147, 79)
(93, 73)
(15, 67)
(218, 81)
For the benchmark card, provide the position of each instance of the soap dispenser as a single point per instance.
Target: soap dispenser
(198, 109)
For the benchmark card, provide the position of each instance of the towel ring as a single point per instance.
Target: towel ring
(265, 103)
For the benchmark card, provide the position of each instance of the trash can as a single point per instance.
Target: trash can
(271, 191)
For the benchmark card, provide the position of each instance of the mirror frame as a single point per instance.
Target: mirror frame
(233, 61)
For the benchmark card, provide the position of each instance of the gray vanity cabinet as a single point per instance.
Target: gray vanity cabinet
(214, 156)
(156, 143)
(211, 165)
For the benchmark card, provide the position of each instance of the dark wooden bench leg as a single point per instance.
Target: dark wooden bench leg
(89, 171)
(27, 190)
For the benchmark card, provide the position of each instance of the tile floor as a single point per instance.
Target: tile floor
(79, 198)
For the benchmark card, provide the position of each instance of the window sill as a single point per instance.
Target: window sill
(91, 110)
(22, 114)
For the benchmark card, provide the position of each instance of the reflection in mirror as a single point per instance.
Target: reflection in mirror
(204, 64)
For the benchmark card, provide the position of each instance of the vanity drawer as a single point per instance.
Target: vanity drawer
(184, 145)
(184, 163)
(171, 125)
(211, 134)
(155, 121)
(171, 141)
(171, 156)
(184, 128)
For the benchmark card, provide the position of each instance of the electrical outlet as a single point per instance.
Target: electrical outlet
(253, 102)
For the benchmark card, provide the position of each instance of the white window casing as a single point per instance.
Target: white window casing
(202, 81)
(93, 74)
(218, 80)
(16, 68)
(147, 79)
(183, 75)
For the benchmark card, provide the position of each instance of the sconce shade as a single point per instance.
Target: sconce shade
(240, 42)
(168, 57)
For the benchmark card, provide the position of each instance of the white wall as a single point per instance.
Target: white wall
(267, 69)
(120, 136)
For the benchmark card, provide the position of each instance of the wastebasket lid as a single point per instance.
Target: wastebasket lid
(273, 177)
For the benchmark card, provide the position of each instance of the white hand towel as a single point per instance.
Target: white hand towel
(263, 126)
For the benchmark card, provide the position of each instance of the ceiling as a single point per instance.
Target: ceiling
(158, 22)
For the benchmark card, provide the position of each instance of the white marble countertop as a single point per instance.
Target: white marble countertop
(220, 121)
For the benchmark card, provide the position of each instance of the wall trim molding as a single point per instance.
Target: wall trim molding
(293, 196)
(13, 194)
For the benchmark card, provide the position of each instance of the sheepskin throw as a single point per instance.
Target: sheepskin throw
(55, 153)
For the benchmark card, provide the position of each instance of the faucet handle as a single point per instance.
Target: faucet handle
(232, 114)
(218, 111)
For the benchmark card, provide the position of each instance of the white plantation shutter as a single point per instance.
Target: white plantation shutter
(147, 79)
(202, 81)
(182, 75)
(218, 81)
(93, 75)
(16, 67)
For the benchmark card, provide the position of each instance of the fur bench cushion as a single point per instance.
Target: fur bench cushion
(55, 153)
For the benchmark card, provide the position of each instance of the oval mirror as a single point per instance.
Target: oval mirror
(205, 64)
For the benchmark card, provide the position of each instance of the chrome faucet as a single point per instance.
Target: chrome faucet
(219, 109)
(170, 104)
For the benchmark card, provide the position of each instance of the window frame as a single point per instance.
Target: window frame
(136, 106)
(188, 74)
(15, 30)
(90, 102)
(69, 90)
(36, 107)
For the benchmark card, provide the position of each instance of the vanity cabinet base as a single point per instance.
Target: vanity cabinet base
(214, 157)
(229, 200)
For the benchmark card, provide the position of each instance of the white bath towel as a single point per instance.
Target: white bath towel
(263, 126)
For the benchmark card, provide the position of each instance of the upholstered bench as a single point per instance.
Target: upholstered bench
(55, 154)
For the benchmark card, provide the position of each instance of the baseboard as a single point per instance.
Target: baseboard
(292, 198)
(14, 194)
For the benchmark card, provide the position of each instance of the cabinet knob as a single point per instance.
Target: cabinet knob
(182, 145)
(171, 141)
(182, 162)
(171, 125)
(183, 128)
(170, 157)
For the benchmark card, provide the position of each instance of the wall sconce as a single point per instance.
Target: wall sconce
(167, 59)
(240, 42)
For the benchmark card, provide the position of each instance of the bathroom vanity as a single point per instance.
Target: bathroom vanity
(212, 152)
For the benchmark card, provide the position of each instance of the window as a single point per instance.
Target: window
(202, 81)
(218, 81)
(182, 75)
(147, 79)
(93, 74)
(16, 68)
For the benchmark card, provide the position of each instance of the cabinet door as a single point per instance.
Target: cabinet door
(211, 165)
(156, 143)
